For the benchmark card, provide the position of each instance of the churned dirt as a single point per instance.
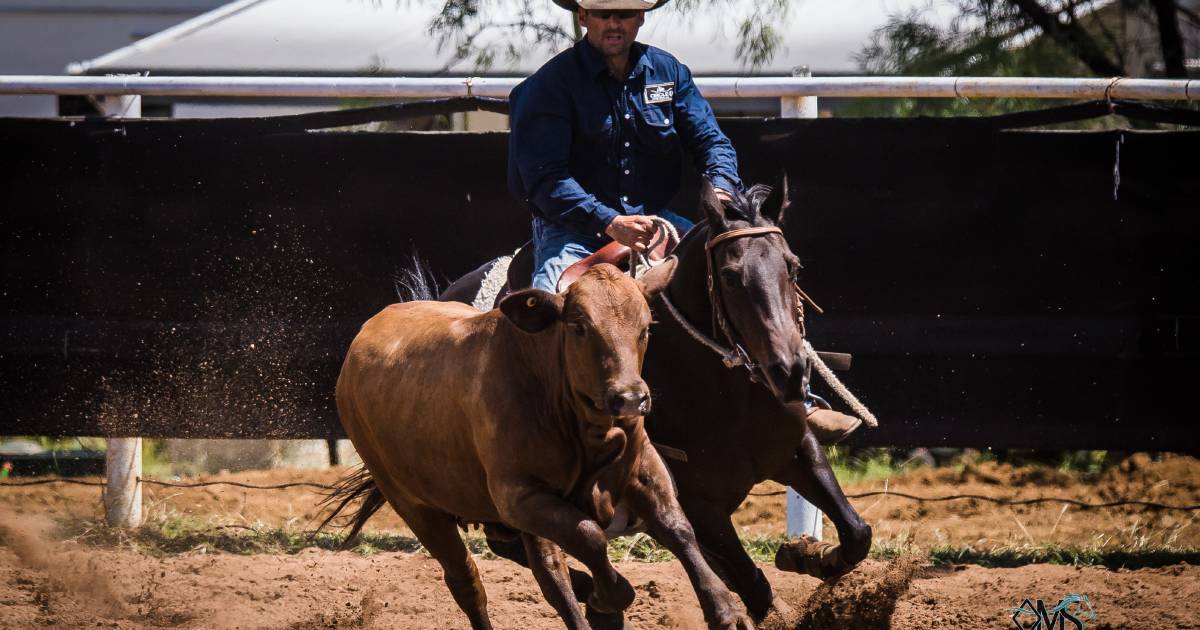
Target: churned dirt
(49, 582)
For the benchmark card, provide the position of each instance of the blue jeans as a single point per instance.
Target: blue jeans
(556, 247)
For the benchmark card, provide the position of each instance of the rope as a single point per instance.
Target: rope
(1006, 501)
(170, 484)
(953, 497)
(639, 262)
(840, 389)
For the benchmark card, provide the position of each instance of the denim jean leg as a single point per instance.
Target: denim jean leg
(555, 249)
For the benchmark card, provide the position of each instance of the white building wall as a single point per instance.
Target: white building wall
(43, 36)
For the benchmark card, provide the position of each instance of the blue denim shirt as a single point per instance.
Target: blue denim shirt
(585, 147)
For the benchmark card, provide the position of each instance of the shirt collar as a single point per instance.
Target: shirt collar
(593, 61)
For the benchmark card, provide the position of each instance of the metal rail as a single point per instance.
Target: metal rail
(435, 87)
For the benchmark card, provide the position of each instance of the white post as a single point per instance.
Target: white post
(802, 516)
(123, 456)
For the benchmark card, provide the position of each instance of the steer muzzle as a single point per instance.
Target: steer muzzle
(628, 401)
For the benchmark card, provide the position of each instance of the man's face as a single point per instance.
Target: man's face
(612, 31)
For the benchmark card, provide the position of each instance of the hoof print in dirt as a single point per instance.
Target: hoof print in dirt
(862, 600)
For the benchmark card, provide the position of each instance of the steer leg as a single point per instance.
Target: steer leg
(810, 475)
(549, 566)
(547, 515)
(438, 531)
(581, 582)
(652, 497)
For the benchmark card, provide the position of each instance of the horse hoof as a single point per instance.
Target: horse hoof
(606, 621)
(810, 556)
(612, 598)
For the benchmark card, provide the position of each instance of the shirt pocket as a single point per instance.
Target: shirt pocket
(656, 133)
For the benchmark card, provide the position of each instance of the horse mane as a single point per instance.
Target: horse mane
(746, 206)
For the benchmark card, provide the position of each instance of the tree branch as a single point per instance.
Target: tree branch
(1071, 36)
(1170, 38)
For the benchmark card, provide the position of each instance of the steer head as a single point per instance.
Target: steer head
(603, 324)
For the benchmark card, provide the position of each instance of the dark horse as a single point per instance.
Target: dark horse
(731, 427)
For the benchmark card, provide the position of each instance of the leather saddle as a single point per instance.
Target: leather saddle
(520, 276)
(520, 270)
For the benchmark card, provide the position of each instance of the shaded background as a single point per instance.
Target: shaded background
(1003, 288)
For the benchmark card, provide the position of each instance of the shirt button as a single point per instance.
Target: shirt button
(668, 121)
(626, 145)
(625, 198)
(626, 116)
(626, 171)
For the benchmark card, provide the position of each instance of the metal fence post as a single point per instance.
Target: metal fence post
(123, 456)
(802, 516)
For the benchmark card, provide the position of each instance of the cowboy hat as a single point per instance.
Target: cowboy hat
(608, 5)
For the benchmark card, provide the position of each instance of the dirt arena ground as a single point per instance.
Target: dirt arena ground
(46, 581)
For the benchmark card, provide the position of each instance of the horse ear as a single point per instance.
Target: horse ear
(532, 310)
(712, 205)
(655, 280)
(776, 205)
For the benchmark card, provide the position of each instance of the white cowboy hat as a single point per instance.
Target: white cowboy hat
(611, 5)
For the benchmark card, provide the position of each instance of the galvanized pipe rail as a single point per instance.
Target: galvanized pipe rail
(713, 87)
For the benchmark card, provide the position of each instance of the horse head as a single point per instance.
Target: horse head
(739, 260)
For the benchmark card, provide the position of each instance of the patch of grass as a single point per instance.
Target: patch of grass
(853, 467)
(175, 534)
(1017, 556)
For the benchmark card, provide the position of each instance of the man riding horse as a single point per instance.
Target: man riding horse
(595, 148)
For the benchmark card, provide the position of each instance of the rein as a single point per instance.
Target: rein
(734, 354)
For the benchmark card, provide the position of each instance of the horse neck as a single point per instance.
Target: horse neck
(688, 288)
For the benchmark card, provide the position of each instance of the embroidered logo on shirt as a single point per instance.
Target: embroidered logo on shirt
(659, 93)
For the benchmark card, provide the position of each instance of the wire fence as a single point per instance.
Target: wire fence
(1008, 501)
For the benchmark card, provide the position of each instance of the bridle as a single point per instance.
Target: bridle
(733, 354)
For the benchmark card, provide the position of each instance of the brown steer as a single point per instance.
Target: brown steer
(528, 417)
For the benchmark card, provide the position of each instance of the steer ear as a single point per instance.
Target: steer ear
(532, 310)
(655, 280)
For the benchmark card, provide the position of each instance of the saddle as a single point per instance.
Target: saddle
(520, 270)
(520, 276)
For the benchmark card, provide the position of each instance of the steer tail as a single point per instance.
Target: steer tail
(358, 483)
(413, 281)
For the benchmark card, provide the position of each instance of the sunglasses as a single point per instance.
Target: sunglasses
(620, 15)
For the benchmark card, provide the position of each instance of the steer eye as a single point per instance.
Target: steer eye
(579, 329)
(644, 336)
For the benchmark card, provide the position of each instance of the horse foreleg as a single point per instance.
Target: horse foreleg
(810, 475)
(723, 549)
(652, 498)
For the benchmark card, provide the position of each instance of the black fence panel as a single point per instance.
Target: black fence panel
(997, 288)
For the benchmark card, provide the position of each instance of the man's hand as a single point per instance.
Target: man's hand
(724, 195)
(633, 231)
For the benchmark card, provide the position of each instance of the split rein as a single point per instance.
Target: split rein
(735, 354)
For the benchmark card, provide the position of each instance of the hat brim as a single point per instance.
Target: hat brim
(572, 5)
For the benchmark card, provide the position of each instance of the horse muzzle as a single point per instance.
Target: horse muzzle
(788, 381)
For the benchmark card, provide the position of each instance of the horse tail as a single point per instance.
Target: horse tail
(357, 483)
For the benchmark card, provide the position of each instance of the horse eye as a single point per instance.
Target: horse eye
(579, 329)
(645, 335)
(731, 277)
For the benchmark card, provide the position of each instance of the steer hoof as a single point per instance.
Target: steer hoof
(611, 598)
(813, 557)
